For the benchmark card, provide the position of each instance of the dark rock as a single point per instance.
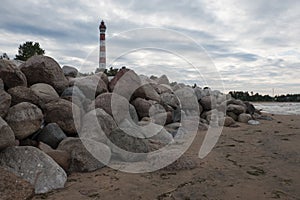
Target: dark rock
(44, 69)
(11, 75)
(233, 115)
(34, 166)
(7, 137)
(14, 187)
(250, 108)
(64, 113)
(24, 119)
(52, 135)
(206, 103)
(5, 101)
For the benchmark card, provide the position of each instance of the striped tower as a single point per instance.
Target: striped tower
(102, 53)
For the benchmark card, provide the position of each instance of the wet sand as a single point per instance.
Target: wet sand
(248, 162)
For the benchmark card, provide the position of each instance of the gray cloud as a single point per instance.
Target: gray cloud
(253, 44)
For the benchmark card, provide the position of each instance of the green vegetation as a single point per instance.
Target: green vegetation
(245, 96)
(29, 49)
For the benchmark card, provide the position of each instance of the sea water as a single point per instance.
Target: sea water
(284, 108)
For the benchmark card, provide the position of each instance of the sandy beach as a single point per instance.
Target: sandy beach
(248, 162)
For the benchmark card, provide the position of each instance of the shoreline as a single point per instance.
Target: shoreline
(248, 162)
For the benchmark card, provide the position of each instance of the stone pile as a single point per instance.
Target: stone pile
(48, 115)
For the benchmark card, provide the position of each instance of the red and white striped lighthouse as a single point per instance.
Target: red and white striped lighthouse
(102, 49)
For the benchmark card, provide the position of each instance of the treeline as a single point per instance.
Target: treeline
(245, 96)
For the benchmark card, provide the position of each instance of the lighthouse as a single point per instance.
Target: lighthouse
(102, 49)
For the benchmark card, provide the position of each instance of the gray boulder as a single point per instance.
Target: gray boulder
(244, 118)
(163, 79)
(91, 86)
(52, 135)
(206, 102)
(126, 147)
(7, 137)
(170, 99)
(5, 101)
(86, 155)
(11, 74)
(97, 125)
(24, 119)
(70, 71)
(34, 166)
(44, 69)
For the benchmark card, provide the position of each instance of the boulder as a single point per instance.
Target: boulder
(236, 109)
(86, 155)
(118, 76)
(228, 121)
(72, 92)
(97, 125)
(142, 107)
(233, 115)
(52, 135)
(24, 119)
(244, 118)
(206, 102)
(249, 108)
(5, 101)
(146, 91)
(187, 99)
(7, 137)
(62, 158)
(65, 114)
(103, 76)
(91, 86)
(126, 147)
(70, 71)
(162, 88)
(34, 166)
(21, 94)
(45, 92)
(44, 69)
(170, 99)
(11, 75)
(163, 79)
(14, 187)
(1, 84)
(116, 106)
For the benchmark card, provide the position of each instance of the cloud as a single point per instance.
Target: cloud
(252, 45)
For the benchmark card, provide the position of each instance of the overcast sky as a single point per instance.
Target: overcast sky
(228, 45)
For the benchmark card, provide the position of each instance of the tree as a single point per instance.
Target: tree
(29, 49)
